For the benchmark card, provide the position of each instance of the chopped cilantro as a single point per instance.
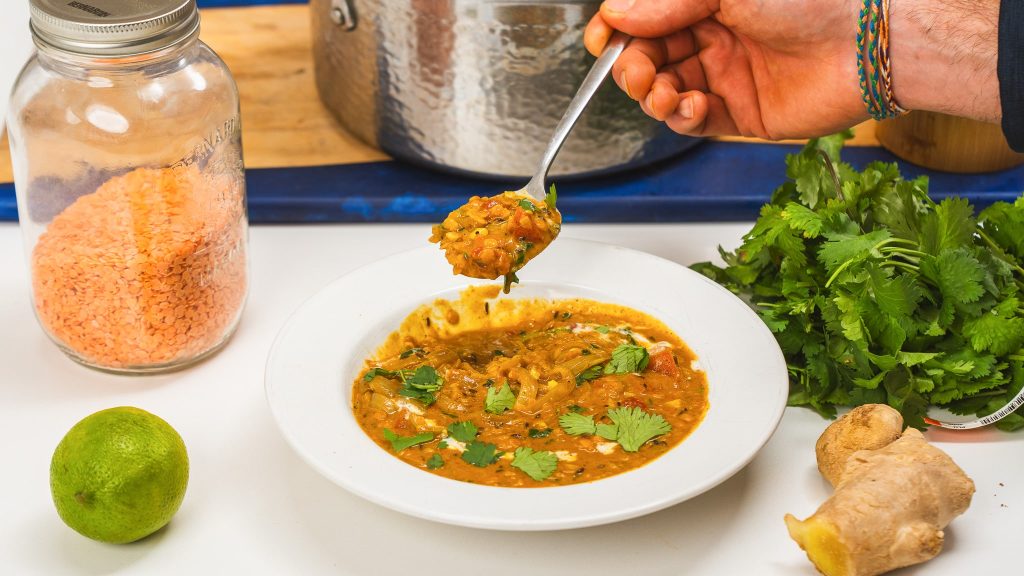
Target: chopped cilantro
(527, 205)
(585, 352)
(442, 444)
(603, 329)
(589, 374)
(551, 198)
(463, 431)
(399, 443)
(577, 408)
(607, 431)
(499, 399)
(632, 427)
(566, 315)
(480, 453)
(627, 358)
(539, 433)
(576, 424)
(435, 462)
(510, 279)
(421, 384)
(406, 353)
(374, 372)
(536, 465)
(497, 352)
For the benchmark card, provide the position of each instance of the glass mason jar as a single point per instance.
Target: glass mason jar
(126, 146)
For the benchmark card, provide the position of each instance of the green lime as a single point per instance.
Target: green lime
(119, 475)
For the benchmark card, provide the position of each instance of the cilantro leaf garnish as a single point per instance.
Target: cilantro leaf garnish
(536, 465)
(603, 329)
(399, 443)
(410, 351)
(435, 462)
(463, 431)
(510, 279)
(576, 408)
(499, 399)
(551, 198)
(374, 372)
(632, 427)
(538, 432)
(591, 373)
(627, 358)
(480, 453)
(527, 205)
(421, 384)
(424, 378)
(576, 424)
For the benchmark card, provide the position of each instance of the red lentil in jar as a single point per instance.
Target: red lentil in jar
(148, 270)
(126, 147)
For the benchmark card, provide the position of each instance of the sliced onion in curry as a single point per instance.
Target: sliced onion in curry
(526, 393)
(497, 235)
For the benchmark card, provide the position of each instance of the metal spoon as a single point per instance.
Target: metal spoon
(616, 44)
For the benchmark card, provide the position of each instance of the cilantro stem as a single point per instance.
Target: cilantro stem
(903, 265)
(876, 248)
(997, 250)
(904, 241)
(832, 172)
(907, 252)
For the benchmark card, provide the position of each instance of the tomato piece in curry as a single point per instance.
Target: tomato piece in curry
(496, 236)
(529, 393)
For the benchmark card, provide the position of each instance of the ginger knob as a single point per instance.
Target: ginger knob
(894, 495)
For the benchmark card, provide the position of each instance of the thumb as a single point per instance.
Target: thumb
(655, 18)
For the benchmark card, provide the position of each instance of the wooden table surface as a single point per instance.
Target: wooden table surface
(284, 123)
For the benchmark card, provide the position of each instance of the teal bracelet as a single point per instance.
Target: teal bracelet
(871, 87)
(862, 30)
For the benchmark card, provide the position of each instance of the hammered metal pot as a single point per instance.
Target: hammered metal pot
(475, 86)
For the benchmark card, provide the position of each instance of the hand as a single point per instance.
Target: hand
(769, 68)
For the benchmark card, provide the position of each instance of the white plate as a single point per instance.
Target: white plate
(321, 350)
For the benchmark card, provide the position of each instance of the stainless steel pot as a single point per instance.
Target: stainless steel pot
(475, 85)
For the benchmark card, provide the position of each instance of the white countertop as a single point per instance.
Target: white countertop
(253, 507)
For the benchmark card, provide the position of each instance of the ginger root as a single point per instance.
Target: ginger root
(894, 494)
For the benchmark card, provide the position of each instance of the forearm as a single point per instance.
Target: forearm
(944, 56)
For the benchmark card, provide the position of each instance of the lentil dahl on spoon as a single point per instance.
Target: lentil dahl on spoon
(497, 235)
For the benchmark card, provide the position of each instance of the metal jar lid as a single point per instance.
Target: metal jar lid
(112, 27)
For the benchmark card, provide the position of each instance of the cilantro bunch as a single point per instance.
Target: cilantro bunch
(876, 293)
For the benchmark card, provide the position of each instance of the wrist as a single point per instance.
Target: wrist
(944, 56)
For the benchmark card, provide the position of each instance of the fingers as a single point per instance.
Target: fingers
(691, 72)
(655, 18)
(663, 99)
(636, 68)
(596, 35)
(701, 114)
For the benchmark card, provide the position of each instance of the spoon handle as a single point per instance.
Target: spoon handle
(616, 44)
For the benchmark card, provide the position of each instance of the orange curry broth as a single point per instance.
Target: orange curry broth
(538, 346)
(496, 236)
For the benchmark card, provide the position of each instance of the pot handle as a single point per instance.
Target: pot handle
(343, 14)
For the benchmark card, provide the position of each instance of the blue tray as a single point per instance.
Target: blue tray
(715, 181)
